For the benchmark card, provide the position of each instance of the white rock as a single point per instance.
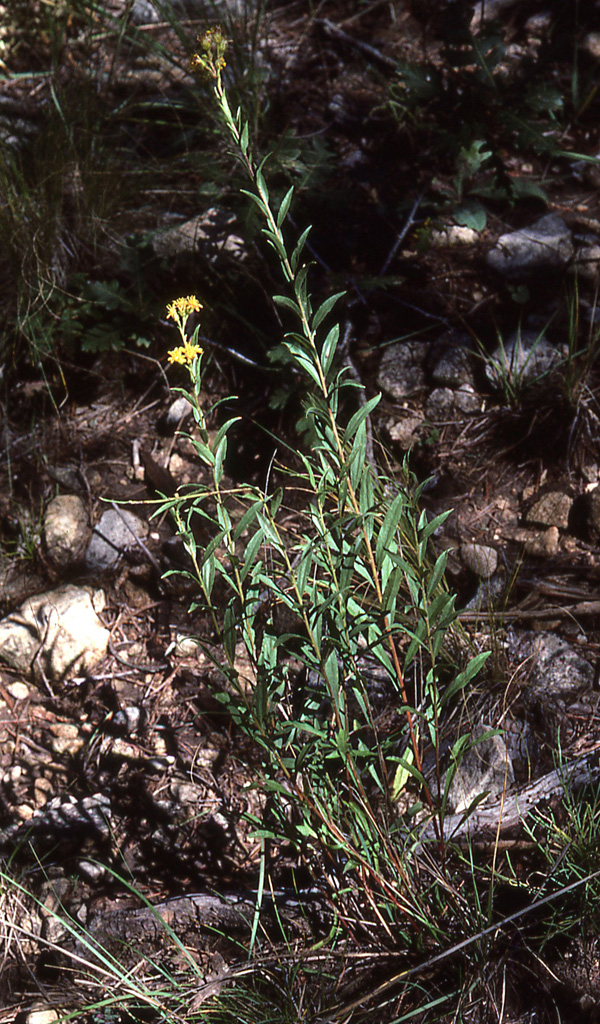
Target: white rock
(54, 635)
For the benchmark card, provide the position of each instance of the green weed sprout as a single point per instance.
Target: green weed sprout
(363, 595)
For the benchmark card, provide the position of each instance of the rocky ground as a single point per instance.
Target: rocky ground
(114, 754)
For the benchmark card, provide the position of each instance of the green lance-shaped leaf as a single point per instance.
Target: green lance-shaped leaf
(248, 517)
(257, 201)
(287, 303)
(324, 309)
(386, 537)
(285, 205)
(261, 183)
(465, 677)
(359, 417)
(329, 348)
(437, 572)
(295, 257)
(230, 623)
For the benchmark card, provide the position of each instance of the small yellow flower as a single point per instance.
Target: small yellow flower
(183, 307)
(185, 354)
(177, 355)
(192, 351)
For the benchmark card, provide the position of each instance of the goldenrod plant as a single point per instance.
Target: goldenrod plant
(364, 597)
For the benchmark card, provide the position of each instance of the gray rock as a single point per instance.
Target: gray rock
(176, 414)
(587, 262)
(55, 634)
(481, 560)
(525, 357)
(552, 509)
(211, 232)
(90, 871)
(546, 245)
(489, 593)
(554, 669)
(404, 431)
(454, 367)
(143, 12)
(439, 407)
(66, 529)
(592, 514)
(113, 537)
(467, 400)
(402, 368)
(485, 768)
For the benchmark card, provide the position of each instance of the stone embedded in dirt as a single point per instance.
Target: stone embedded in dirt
(453, 368)
(552, 667)
(546, 245)
(176, 414)
(467, 400)
(113, 536)
(439, 407)
(47, 1016)
(485, 768)
(452, 235)
(403, 431)
(552, 509)
(143, 12)
(481, 560)
(56, 634)
(66, 738)
(66, 529)
(90, 871)
(591, 43)
(211, 232)
(587, 262)
(543, 544)
(402, 368)
(489, 10)
(591, 504)
(19, 580)
(20, 691)
(443, 404)
(489, 593)
(525, 357)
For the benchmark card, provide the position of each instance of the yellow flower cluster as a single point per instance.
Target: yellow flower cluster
(185, 354)
(183, 307)
(179, 311)
(212, 46)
